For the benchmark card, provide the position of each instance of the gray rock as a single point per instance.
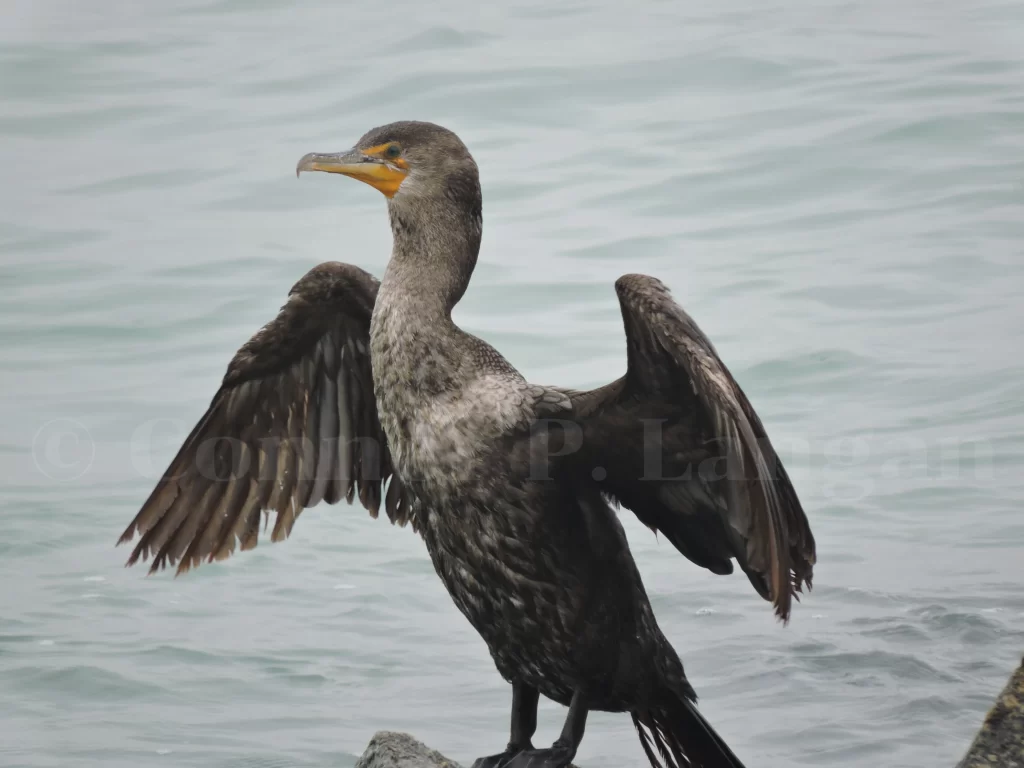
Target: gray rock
(1000, 742)
(388, 749)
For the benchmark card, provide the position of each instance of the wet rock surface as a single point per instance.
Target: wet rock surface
(1000, 742)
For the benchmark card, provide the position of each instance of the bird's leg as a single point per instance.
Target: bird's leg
(524, 724)
(524, 717)
(561, 753)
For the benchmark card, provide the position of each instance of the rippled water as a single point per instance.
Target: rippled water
(834, 190)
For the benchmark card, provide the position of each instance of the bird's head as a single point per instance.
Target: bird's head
(404, 160)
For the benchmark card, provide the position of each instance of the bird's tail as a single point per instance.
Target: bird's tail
(677, 733)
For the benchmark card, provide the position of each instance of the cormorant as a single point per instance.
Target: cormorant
(358, 385)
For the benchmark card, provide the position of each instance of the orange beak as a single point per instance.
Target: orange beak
(369, 168)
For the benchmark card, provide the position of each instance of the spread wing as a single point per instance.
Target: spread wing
(293, 423)
(680, 445)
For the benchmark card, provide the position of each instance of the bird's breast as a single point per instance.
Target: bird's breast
(443, 419)
(447, 443)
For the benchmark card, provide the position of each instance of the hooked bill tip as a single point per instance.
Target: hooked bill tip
(304, 164)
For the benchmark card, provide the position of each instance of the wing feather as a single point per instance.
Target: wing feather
(293, 423)
(749, 512)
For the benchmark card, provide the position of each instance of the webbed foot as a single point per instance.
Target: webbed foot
(500, 760)
(558, 755)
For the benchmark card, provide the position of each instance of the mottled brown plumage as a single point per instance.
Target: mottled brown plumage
(292, 424)
(359, 390)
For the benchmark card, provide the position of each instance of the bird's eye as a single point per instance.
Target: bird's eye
(393, 150)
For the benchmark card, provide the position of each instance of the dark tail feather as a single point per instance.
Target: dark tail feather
(682, 737)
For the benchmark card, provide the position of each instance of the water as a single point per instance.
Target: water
(833, 190)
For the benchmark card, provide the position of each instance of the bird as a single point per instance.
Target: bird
(366, 389)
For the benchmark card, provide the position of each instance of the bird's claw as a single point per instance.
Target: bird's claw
(500, 760)
(556, 756)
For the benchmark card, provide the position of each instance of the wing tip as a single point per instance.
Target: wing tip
(799, 580)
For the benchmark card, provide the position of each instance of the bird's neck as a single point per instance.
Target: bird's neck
(436, 243)
(414, 343)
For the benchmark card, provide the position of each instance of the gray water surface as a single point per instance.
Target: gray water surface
(834, 190)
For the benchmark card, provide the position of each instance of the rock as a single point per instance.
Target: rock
(1000, 742)
(388, 749)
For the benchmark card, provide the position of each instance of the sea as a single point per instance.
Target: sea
(834, 190)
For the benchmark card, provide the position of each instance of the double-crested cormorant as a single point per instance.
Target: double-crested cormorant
(356, 386)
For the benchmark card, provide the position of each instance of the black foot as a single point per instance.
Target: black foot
(556, 756)
(497, 761)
